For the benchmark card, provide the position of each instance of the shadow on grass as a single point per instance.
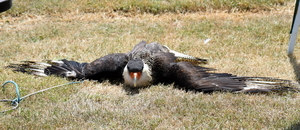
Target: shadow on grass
(295, 126)
(131, 91)
(296, 66)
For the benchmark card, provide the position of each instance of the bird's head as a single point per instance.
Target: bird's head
(137, 74)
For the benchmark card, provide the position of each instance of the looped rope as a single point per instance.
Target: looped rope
(18, 99)
(15, 102)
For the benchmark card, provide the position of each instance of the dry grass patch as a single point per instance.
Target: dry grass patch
(54, 7)
(246, 44)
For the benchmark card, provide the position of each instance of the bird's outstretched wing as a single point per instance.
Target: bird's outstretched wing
(188, 76)
(191, 77)
(61, 68)
(108, 67)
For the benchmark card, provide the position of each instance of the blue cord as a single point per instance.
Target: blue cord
(18, 99)
(15, 102)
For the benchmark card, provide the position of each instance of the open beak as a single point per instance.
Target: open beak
(135, 76)
(134, 79)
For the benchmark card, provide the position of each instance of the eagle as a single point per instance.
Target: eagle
(153, 63)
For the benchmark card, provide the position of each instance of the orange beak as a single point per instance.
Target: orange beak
(135, 76)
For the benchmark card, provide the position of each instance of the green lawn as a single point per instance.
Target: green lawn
(248, 38)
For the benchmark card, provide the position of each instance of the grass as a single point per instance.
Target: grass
(145, 6)
(245, 42)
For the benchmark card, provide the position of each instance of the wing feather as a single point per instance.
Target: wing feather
(190, 77)
(108, 67)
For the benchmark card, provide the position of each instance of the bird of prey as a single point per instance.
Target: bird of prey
(153, 63)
